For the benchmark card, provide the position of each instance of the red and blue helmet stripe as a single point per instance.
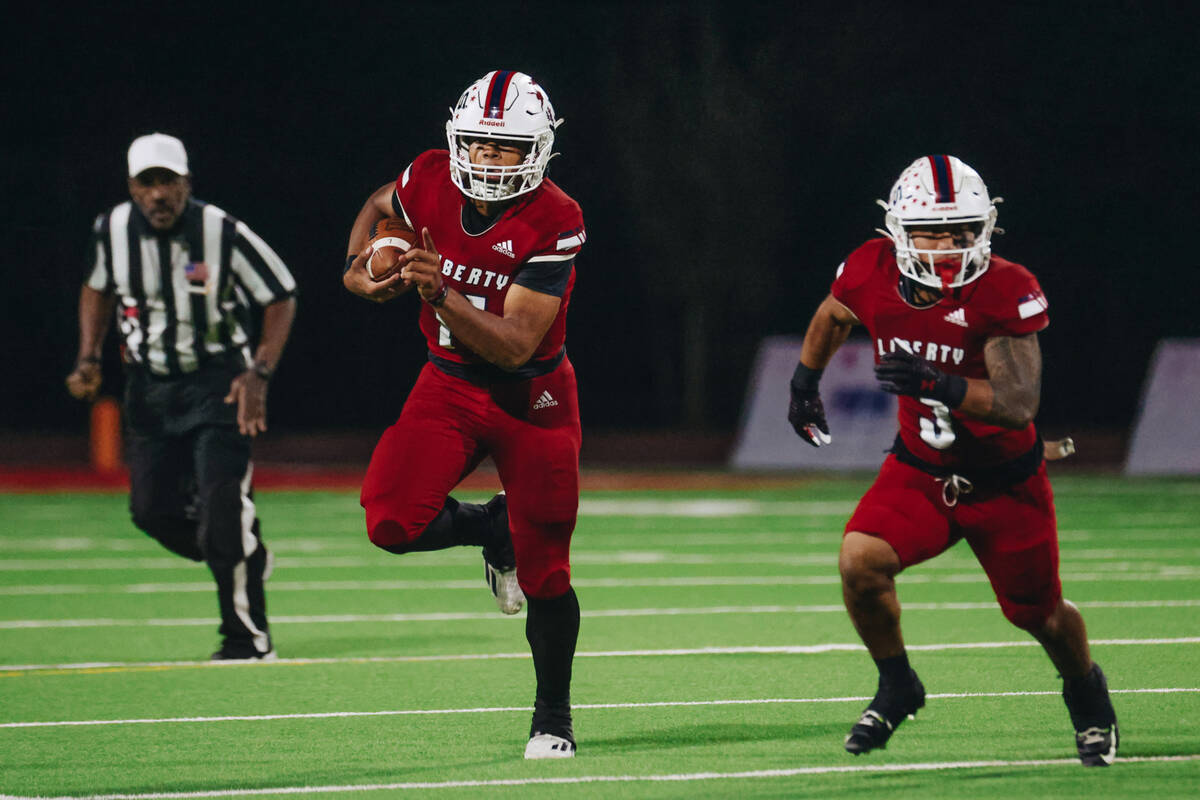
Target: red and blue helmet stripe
(943, 178)
(493, 105)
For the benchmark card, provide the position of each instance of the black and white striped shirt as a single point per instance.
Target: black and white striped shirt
(184, 295)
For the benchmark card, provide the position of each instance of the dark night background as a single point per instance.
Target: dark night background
(726, 156)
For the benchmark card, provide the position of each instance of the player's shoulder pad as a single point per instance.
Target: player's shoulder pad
(556, 221)
(1008, 280)
(554, 202)
(1013, 295)
(427, 164)
(861, 264)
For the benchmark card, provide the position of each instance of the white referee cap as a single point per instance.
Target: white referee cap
(157, 150)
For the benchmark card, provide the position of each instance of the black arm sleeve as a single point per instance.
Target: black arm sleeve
(547, 277)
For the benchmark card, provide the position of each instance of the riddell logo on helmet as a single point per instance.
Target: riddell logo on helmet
(499, 122)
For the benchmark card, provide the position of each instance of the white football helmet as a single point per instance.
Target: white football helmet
(506, 107)
(940, 190)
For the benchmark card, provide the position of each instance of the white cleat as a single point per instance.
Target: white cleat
(547, 745)
(504, 586)
(499, 562)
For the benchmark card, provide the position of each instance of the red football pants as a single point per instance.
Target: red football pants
(1012, 532)
(448, 425)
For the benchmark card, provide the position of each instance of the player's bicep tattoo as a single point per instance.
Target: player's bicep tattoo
(1014, 365)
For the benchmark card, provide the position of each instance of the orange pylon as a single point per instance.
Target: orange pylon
(105, 439)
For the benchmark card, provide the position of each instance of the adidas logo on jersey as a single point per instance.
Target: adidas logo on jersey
(958, 316)
(504, 247)
(544, 401)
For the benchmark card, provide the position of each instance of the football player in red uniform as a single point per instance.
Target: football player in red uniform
(954, 329)
(494, 267)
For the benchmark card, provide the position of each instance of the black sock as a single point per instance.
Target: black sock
(894, 670)
(900, 692)
(1088, 681)
(456, 524)
(1087, 699)
(552, 628)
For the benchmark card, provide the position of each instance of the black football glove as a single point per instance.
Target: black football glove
(904, 373)
(805, 411)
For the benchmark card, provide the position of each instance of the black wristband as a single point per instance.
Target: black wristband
(89, 360)
(956, 391)
(805, 379)
(440, 298)
(349, 260)
(261, 369)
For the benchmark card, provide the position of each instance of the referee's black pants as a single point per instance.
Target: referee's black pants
(190, 489)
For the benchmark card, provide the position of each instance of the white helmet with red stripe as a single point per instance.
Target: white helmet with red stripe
(936, 191)
(508, 108)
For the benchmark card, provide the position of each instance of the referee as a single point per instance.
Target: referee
(183, 277)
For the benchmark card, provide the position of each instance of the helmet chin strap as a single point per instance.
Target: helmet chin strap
(908, 292)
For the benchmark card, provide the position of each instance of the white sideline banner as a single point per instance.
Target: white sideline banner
(862, 418)
(1166, 435)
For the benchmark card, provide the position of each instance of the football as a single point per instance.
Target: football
(390, 238)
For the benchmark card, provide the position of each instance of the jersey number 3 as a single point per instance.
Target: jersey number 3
(938, 432)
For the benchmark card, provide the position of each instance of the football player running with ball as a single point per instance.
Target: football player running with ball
(955, 335)
(494, 268)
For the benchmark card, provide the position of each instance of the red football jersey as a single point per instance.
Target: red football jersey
(1005, 301)
(544, 226)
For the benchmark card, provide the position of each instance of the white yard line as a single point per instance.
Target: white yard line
(594, 506)
(831, 533)
(357, 544)
(664, 556)
(574, 707)
(1067, 487)
(422, 585)
(477, 616)
(681, 777)
(10, 670)
(1120, 572)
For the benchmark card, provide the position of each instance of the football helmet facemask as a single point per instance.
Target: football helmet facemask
(508, 108)
(937, 191)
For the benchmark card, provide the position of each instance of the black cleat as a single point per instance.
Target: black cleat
(244, 651)
(1097, 747)
(884, 714)
(1093, 717)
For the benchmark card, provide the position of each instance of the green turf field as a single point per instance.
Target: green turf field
(715, 659)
